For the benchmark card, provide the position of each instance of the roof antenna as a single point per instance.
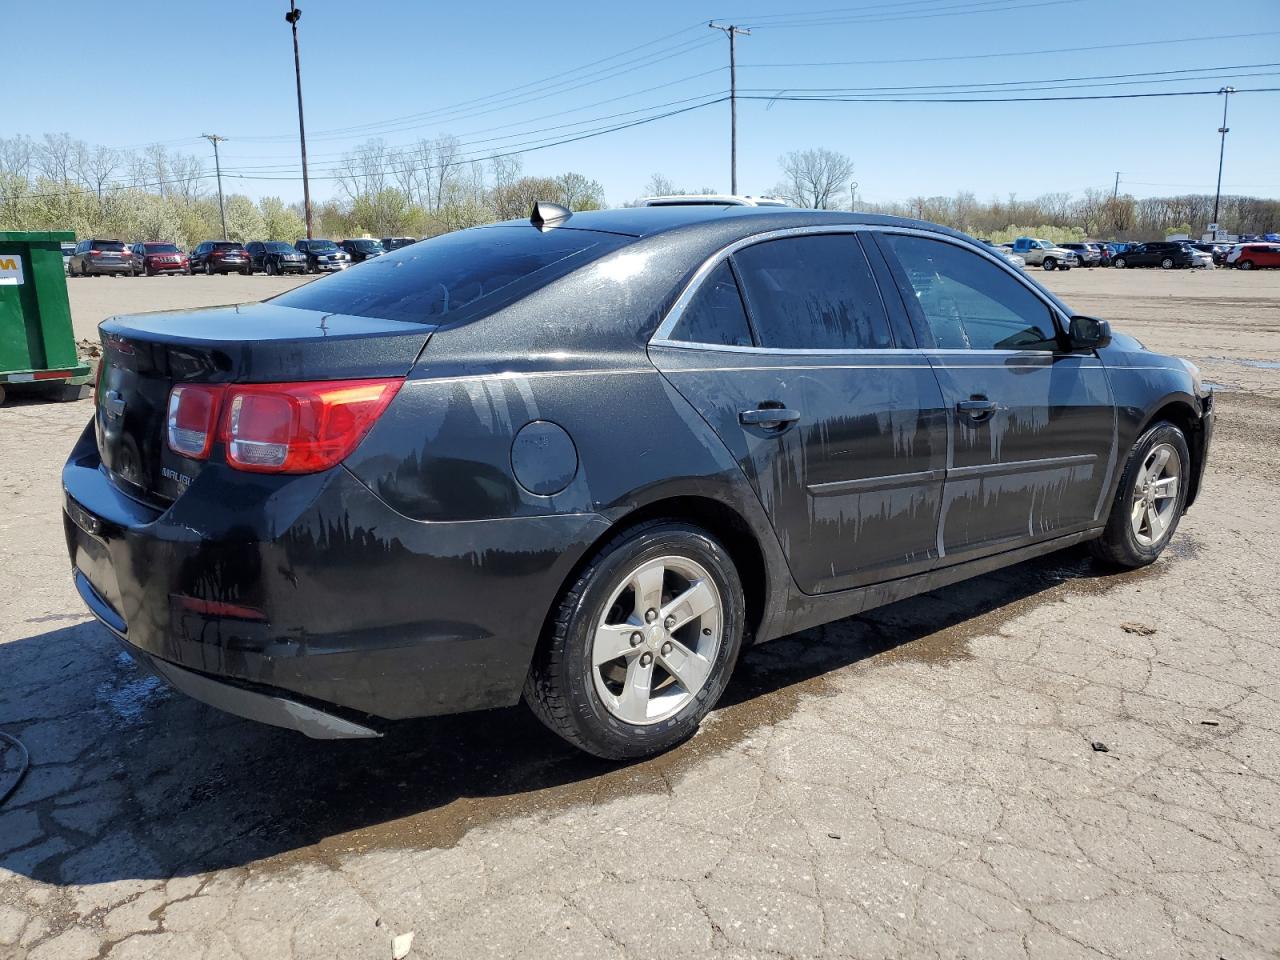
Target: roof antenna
(547, 215)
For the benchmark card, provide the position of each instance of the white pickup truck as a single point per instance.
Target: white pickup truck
(1044, 253)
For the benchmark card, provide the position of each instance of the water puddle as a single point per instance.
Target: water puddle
(1258, 364)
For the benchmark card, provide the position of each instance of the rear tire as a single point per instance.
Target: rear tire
(1148, 505)
(1166, 263)
(630, 705)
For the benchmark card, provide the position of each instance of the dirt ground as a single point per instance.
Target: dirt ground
(916, 782)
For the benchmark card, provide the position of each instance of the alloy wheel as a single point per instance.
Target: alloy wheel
(1155, 495)
(654, 646)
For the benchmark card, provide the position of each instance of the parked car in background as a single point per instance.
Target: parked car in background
(275, 257)
(154, 257)
(1105, 252)
(221, 256)
(1168, 254)
(425, 486)
(1044, 253)
(323, 256)
(95, 257)
(361, 249)
(1006, 254)
(1087, 254)
(1217, 251)
(395, 243)
(1252, 256)
(1199, 257)
(712, 200)
(68, 251)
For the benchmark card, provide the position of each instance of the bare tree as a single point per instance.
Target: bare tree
(55, 157)
(659, 185)
(363, 172)
(815, 178)
(579, 193)
(97, 166)
(17, 156)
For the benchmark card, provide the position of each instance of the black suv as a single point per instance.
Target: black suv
(1167, 254)
(221, 256)
(395, 243)
(94, 257)
(323, 255)
(274, 257)
(362, 249)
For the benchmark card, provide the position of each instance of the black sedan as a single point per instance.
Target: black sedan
(584, 459)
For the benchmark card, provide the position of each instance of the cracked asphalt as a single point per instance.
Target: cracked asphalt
(922, 781)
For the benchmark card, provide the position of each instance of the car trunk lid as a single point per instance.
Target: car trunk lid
(145, 356)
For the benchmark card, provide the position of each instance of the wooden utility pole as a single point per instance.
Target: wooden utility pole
(731, 32)
(217, 165)
(293, 16)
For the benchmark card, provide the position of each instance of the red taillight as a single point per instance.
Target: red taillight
(94, 253)
(217, 608)
(300, 427)
(193, 418)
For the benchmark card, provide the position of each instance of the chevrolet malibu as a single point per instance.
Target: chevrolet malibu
(584, 459)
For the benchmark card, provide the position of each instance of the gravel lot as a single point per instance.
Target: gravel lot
(916, 782)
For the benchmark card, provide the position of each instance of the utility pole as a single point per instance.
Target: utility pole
(1115, 191)
(217, 165)
(731, 32)
(292, 18)
(1222, 149)
(853, 195)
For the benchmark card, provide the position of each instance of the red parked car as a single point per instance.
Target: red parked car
(154, 257)
(1252, 256)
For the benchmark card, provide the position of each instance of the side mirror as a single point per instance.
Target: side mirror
(1089, 333)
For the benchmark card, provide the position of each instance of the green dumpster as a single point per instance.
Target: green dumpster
(37, 342)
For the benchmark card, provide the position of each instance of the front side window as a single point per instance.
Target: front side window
(715, 314)
(970, 303)
(813, 293)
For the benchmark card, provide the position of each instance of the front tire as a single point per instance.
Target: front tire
(1149, 501)
(1245, 264)
(1166, 263)
(641, 644)
(1049, 263)
(1118, 263)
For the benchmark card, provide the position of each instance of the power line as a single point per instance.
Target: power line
(970, 7)
(1096, 96)
(1014, 53)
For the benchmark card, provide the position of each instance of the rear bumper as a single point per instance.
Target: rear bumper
(364, 613)
(167, 267)
(118, 267)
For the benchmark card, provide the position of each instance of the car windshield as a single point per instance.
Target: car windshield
(366, 246)
(322, 246)
(277, 247)
(160, 247)
(426, 281)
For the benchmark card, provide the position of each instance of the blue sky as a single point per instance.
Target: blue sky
(226, 67)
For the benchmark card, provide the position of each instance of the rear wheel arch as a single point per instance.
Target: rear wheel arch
(716, 518)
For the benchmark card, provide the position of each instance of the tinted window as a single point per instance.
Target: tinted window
(968, 302)
(114, 245)
(159, 247)
(428, 280)
(813, 293)
(715, 314)
(320, 246)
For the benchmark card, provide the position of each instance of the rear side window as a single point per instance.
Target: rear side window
(968, 302)
(715, 314)
(427, 281)
(813, 293)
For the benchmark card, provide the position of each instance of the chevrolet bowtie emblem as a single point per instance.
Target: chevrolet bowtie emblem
(113, 404)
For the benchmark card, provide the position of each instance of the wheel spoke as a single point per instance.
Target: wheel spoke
(633, 702)
(647, 583)
(700, 598)
(1138, 514)
(687, 667)
(1166, 488)
(1158, 462)
(611, 642)
(1156, 523)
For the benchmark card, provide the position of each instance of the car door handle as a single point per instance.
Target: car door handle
(977, 408)
(768, 417)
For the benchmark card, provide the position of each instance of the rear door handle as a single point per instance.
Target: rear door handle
(978, 408)
(768, 417)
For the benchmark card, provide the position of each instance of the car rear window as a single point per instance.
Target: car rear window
(425, 282)
(160, 247)
(227, 245)
(115, 245)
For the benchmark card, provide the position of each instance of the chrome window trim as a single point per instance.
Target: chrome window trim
(662, 336)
